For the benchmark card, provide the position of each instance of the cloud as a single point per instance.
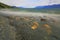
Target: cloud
(30, 3)
(9, 2)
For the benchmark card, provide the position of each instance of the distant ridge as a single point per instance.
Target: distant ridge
(49, 6)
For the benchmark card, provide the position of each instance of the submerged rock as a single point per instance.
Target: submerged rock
(20, 28)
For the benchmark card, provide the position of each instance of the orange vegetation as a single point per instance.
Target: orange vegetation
(48, 28)
(35, 25)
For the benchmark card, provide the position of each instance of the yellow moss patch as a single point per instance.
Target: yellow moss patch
(48, 28)
(35, 25)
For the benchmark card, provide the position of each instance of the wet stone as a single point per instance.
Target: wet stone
(28, 28)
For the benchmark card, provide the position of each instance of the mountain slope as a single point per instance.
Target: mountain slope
(2, 5)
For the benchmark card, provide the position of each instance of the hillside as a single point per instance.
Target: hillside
(2, 5)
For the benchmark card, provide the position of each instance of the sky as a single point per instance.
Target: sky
(30, 3)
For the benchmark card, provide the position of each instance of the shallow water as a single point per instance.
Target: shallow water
(19, 25)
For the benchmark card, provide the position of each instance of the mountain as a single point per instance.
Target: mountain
(49, 6)
(2, 5)
(44, 9)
